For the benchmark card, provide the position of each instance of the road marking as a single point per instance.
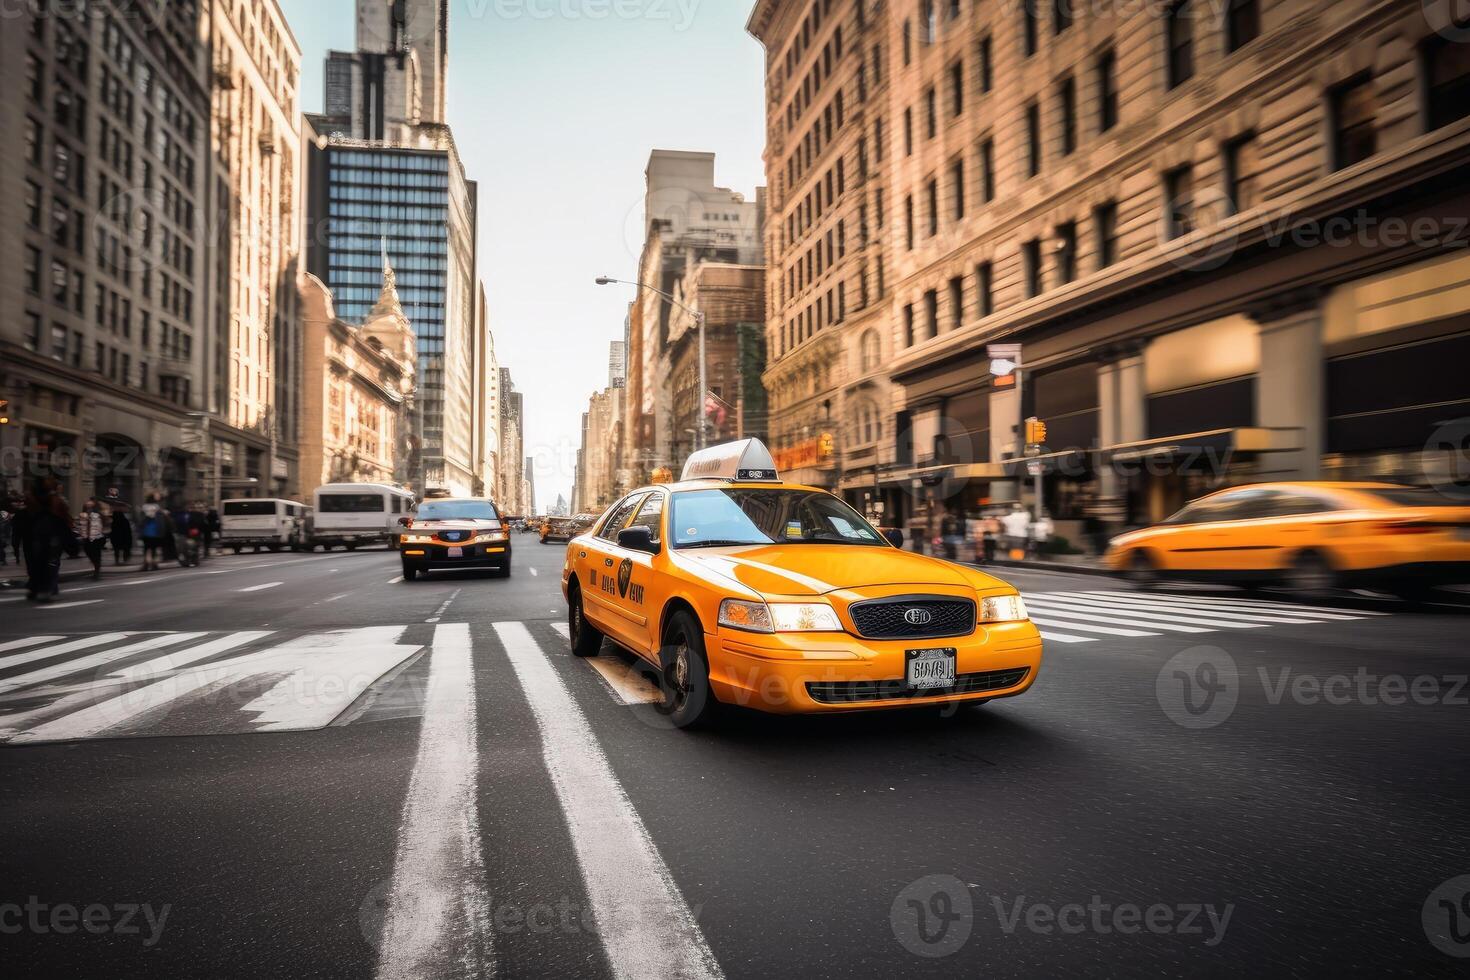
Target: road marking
(625, 682)
(1148, 614)
(564, 629)
(534, 573)
(395, 580)
(1065, 637)
(261, 588)
(1232, 607)
(73, 646)
(1235, 617)
(439, 613)
(336, 597)
(437, 918)
(70, 605)
(1288, 607)
(326, 673)
(646, 927)
(1091, 628)
(28, 641)
(1065, 613)
(43, 674)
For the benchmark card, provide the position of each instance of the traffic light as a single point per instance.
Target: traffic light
(1035, 432)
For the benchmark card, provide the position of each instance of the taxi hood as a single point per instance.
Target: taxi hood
(815, 569)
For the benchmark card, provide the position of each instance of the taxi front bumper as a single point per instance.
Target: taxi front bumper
(795, 673)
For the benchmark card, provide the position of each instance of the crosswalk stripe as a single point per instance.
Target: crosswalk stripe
(1231, 606)
(53, 606)
(1234, 615)
(46, 653)
(320, 686)
(261, 588)
(1259, 603)
(27, 641)
(1149, 615)
(1056, 637)
(645, 925)
(96, 660)
(1090, 628)
(1063, 612)
(184, 658)
(437, 918)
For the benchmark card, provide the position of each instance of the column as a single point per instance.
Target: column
(1122, 399)
(1291, 384)
(1005, 422)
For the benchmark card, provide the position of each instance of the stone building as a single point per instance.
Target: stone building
(1230, 238)
(256, 212)
(357, 391)
(104, 218)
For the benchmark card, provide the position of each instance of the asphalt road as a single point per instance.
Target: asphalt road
(291, 765)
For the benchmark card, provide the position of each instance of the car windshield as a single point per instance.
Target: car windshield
(744, 515)
(457, 510)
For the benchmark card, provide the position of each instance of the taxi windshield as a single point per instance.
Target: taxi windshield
(457, 510)
(757, 515)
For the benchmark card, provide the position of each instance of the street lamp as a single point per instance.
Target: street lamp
(698, 320)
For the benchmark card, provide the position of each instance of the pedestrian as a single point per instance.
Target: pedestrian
(951, 533)
(6, 516)
(121, 535)
(992, 531)
(46, 533)
(212, 529)
(156, 526)
(1041, 531)
(90, 531)
(13, 540)
(1017, 526)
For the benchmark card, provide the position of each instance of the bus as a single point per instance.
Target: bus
(356, 514)
(264, 523)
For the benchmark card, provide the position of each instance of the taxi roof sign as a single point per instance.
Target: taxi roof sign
(748, 459)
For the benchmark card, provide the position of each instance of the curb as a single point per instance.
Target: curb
(68, 575)
(1050, 566)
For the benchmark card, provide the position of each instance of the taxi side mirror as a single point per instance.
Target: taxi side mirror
(638, 539)
(894, 536)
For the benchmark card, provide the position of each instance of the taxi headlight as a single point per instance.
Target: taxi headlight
(804, 617)
(494, 536)
(418, 538)
(753, 617)
(1002, 609)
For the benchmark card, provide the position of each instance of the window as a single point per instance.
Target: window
(1179, 25)
(1107, 91)
(957, 182)
(931, 113)
(650, 515)
(1033, 140)
(872, 352)
(984, 295)
(908, 325)
(1242, 23)
(1067, 106)
(908, 132)
(931, 314)
(1242, 167)
(931, 192)
(930, 21)
(1446, 82)
(956, 302)
(711, 518)
(1028, 27)
(351, 503)
(1062, 15)
(1105, 228)
(1066, 252)
(1031, 267)
(33, 205)
(908, 43)
(957, 88)
(908, 220)
(1354, 116)
(618, 516)
(987, 81)
(1179, 202)
(987, 170)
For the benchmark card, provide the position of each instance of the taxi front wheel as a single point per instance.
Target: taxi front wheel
(586, 638)
(688, 700)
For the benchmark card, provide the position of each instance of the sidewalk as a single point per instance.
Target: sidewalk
(72, 570)
(1075, 564)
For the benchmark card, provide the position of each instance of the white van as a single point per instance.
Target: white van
(263, 523)
(353, 514)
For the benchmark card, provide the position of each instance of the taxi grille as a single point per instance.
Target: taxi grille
(851, 692)
(913, 617)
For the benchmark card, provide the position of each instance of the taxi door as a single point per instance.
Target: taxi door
(633, 574)
(597, 571)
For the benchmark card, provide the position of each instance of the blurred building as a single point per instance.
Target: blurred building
(107, 342)
(385, 168)
(510, 478)
(357, 391)
(256, 214)
(1230, 239)
(486, 451)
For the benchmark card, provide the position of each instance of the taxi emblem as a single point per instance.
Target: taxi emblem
(917, 616)
(625, 576)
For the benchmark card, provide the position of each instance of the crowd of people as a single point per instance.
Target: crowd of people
(40, 530)
(995, 533)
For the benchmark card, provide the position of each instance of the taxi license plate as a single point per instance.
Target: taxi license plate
(456, 552)
(928, 669)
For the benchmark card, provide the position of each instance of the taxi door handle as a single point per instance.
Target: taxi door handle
(608, 562)
(581, 554)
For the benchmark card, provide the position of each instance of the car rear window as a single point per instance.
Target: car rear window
(352, 503)
(250, 508)
(1413, 497)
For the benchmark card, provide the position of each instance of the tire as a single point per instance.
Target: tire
(410, 572)
(1311, 574)
(1142, 570)
(352, 546)
(688, 700)
(237, 549)
(586, 639)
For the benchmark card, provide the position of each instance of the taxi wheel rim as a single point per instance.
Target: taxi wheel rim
(679, 675)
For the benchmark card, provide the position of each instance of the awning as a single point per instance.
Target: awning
(956, 471)
(1067, 462)
(1215, 443)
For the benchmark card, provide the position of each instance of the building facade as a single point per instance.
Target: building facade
(1228, 237)
(104, 207)
(256, 212)
(510, 492)
(357, 391)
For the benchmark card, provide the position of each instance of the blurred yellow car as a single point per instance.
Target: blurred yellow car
(1308, 536)
(742, 589)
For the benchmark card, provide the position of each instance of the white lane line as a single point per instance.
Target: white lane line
(124, 708)
(1090, 628)
(1223, 607)
(261, 588)
(1056, 637)
(28, 641)
(47, 653)
(534, 573)
(395, 580)
(1289, 607)
(336, 597)
(1248, 616)
(44, 674)
(439, 613)
(1061, 612)
(646, 927)
(1148, 614)
(437, 918)
(71, 605)
(564, 629)
(624, 681)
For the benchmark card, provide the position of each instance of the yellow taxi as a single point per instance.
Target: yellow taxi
(1308, 536)
(745, 590)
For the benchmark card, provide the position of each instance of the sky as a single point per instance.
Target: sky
(555, 106)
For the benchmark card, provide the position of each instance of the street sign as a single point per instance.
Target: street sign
(1034, 467)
